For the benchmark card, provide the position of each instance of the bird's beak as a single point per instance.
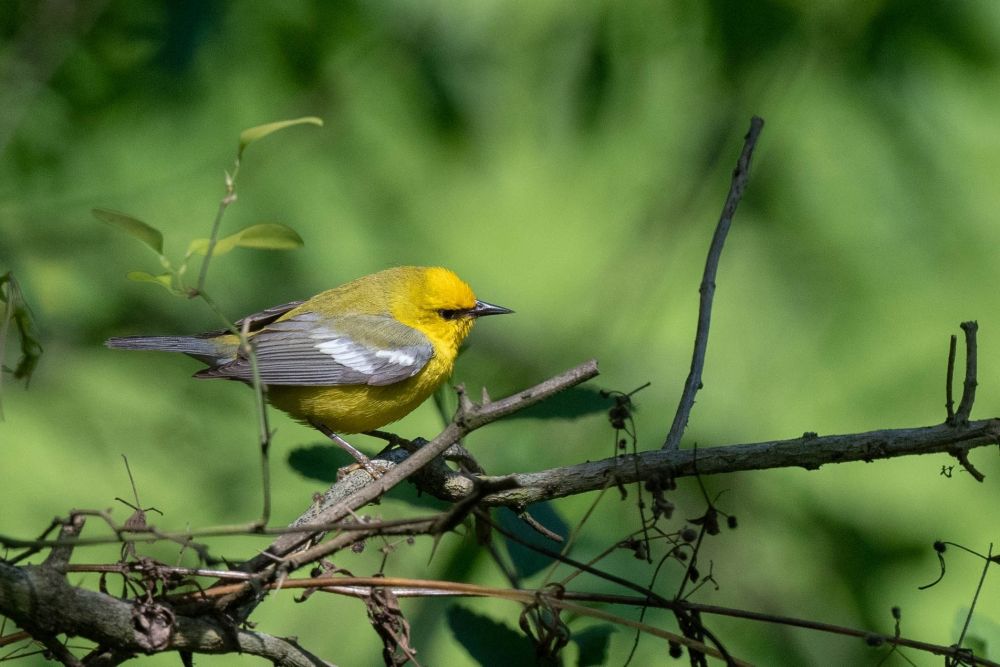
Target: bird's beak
(482, 309)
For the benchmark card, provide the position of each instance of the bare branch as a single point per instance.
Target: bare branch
(59, 557)
(741, 175)
(806, 452)
(962, 456)
(60, 652)
(40, 600)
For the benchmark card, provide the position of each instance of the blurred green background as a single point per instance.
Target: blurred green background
(569, 160)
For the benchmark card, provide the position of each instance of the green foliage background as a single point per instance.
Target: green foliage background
(569, 159)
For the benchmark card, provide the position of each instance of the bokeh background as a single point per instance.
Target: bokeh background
(568, 159)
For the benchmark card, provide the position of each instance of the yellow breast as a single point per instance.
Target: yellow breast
(360, 408)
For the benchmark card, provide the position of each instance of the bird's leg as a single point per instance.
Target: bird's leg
(355, 453)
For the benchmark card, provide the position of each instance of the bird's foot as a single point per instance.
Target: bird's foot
(362, 460)
(365, 465)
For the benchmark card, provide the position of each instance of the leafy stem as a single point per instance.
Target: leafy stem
(267, 236)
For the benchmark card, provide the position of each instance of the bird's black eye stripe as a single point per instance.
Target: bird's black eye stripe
(450, 314)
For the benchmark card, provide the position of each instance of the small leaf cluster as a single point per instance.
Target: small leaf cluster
(265, 236)
(15, 311)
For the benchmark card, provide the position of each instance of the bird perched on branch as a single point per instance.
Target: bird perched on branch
(351, 359)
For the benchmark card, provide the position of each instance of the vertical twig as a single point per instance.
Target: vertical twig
(224, 203)
(59, 651)
(7, 296)
(741, 175)
(949, 395)
(975, 598)
(264, 428)
(961, 416)
(258, 387)
(969, 386)
(71, 528)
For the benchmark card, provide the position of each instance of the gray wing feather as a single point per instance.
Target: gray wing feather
(256, 320)
(313, 350)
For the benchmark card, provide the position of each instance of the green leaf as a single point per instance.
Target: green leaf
(222, 246)
(270, 236)
(983, 635)
(263, 237)
(319, 462)
(253, 134)
(16, 311)
(525, 560)
(486, 639)
(163, 280)
(573, 403)
(593, 642)
(133, 227)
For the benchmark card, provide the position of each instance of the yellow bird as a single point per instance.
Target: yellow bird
(351, 359)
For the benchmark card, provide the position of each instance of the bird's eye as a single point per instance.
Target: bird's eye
(450, 314)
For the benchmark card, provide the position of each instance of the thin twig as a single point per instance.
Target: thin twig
(962, 456)
(150, 533)
(224, 203)
(166, 570)
(707, 290)
(263, 426)
(568, 544)
(975, 598)
(60, 652)
(539, 528)
(7, 296)
(949, 394)
(59, 557)
(131, 479)
(258, 386)
(969, 386)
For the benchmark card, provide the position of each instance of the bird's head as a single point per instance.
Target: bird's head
(443, 306)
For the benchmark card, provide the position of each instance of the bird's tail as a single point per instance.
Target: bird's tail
(208, 350)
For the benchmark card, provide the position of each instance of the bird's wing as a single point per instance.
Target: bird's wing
(266, 316)
(311, 349)
(255, 321)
